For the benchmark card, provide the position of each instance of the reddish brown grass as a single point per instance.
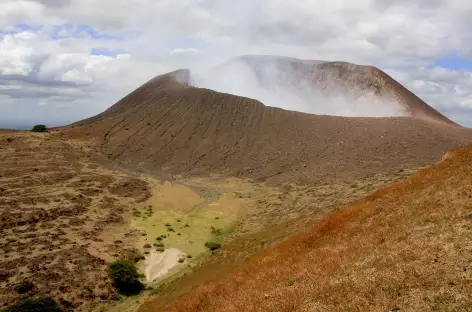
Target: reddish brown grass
(405, 246)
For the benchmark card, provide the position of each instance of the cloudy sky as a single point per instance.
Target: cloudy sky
(63, 60)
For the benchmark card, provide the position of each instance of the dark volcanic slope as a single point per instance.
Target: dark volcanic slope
(167, 125)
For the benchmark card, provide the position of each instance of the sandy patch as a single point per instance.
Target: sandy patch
(159, 263)
(173, 196)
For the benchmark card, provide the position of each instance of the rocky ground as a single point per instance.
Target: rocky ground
(62, 218)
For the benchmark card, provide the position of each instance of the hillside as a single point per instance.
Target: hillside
(168, 125)
(172, 167)
(318, 87)
(405, 247)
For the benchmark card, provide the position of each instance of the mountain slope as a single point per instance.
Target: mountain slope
(405, 247)
(373, 90)
(167, 124)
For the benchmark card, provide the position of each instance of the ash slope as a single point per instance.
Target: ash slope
(168, 125)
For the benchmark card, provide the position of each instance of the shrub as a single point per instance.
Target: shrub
(167, 224)
(125, 277)
(212, 245)
(24, 287)
(39, 128)
(181, 260)
(134, 255)
(217, 231)
(189, 256)
(147, 246)
(178, 234)
(43, 304)
(170, 229)
(186, 225)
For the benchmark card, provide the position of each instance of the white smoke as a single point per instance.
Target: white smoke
(274, 84)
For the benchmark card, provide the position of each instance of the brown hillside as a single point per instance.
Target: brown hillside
(165, 124)
(405, 247)
(333, 78)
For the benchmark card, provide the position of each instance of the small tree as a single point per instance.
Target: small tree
(39, 128)
(125, 277)
(44, 304)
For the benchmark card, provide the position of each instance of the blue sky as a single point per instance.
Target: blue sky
(81, 61)
(454, 62)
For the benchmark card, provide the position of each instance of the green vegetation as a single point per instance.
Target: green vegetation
(212, 245)
(125, 277)
(39, 128)
(194, 229)
(217, 232)
(43, 304)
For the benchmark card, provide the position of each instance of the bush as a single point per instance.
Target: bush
(125, 277)
(24, 287)
(134, 255)
(217, 232)
(147, 246)
(212, 245)
(161, 237)
(44, 304)
(39, 128)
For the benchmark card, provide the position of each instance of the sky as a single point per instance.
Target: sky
(65, 60)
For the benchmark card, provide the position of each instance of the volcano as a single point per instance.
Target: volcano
(172, 123)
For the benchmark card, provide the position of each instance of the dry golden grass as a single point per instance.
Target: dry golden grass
(407, 246)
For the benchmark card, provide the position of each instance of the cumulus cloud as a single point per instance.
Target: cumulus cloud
(50, 49)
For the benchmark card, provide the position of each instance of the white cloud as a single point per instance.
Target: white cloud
(182, 51)
(155, 36)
